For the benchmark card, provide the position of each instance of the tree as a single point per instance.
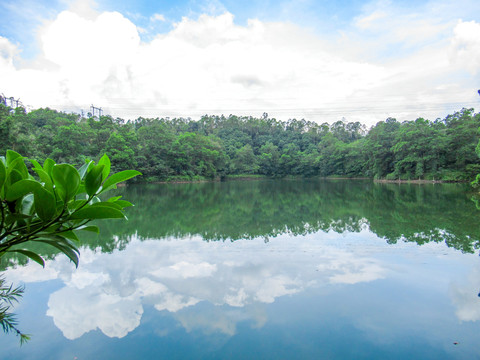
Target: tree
(198, 155)
(51, 209)
(154, 149)
(245, 161)
(268, 159)
(120, 148)
(379, 143)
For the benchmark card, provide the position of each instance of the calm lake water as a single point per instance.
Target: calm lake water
(265, 270)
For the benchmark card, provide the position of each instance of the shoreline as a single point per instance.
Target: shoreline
(420, 181)
(256, 177)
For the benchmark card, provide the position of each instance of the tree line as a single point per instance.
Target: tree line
(219, 146)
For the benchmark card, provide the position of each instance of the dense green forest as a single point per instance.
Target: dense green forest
(219, 146)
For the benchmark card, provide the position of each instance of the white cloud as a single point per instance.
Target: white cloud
(157, 17)
(368, 21)
(83, 8)
(212, 65)
(7, 51)
(466, 46)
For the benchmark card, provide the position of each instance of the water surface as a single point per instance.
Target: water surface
(265, 269)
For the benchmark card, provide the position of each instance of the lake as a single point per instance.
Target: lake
(267, 269)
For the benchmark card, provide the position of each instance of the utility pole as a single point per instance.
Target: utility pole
(96, 108)
(14, 103)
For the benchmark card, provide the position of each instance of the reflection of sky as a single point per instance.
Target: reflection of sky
(213, 287)
(465, 297)
(107, 290)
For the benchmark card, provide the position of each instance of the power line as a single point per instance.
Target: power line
(313, 110)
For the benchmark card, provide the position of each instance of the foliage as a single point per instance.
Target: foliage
(52, 207)
(218, 146)
(9, 295)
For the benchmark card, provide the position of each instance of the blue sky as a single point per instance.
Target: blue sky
(19, 20)
(321, 60)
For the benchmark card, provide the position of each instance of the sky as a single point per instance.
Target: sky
(322, 60)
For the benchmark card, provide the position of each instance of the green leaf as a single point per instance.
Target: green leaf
(62, 240)
(98, 212)
(21, 188)
(11, 156)
(18, 164)
(48, 166)
(93, 180)
(65, 247)
(27, 204)
(67, 181)
(73, 205)
(91, 228)
(123, 203)
(115, 198)
(3, 174)
(81, 188)
(35, 164)
(50, 230)
(104, 160)
(45, 204)
(30, 254)
(95, 200)
(70, 235)
(119, 177)
(13, 177)
(83, 169)
(108, 204)
(45, 178)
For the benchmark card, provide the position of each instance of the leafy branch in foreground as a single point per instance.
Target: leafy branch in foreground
(9, 295)
(50, 209)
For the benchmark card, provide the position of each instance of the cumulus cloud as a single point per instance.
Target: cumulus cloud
(7, 51)
(465, 48)
(210, 64)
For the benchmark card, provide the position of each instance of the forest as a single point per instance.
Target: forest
(218, 147)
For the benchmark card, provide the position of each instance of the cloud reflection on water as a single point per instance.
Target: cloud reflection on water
(464, 297)
(109, 291)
